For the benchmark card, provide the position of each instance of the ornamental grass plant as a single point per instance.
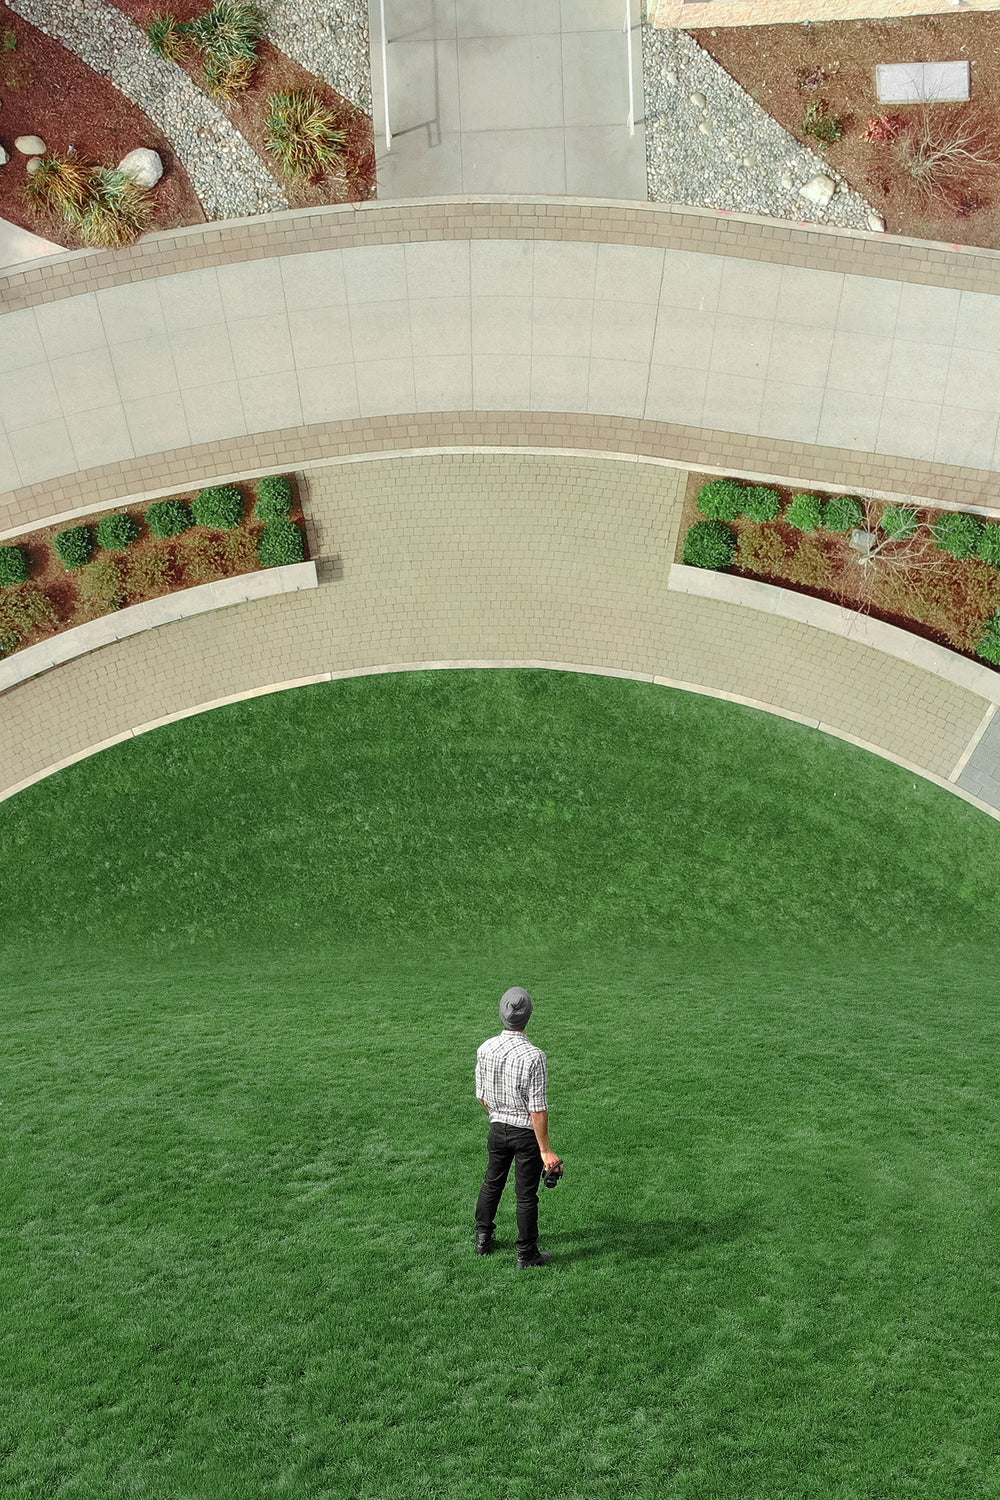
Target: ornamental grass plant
(302, 134)
(104, 206)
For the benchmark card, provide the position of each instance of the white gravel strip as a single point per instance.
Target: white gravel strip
(225, 171)
(329, 38)
(721, 149)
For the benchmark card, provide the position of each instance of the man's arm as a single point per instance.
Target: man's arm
(540, 1125)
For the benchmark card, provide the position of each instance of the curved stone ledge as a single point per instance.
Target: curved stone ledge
(182, 604)
(751, 593)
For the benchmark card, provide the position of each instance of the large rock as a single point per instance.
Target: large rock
(876, 222)
(30, 145)
(4, 158)
(818, 190)
(143, 166)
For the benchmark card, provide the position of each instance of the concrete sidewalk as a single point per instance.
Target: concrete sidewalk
(528, 96)
(18, 246)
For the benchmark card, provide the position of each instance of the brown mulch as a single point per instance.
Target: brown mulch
(948, 603)
(786, 68)
(352, 181)
(202, 554)
(47, 91)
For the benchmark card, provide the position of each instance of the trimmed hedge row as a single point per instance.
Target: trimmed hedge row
(712, 543)
(217, 506)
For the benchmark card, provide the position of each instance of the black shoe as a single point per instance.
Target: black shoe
(533, 1257)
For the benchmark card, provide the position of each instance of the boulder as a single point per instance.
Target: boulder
(818, 190)
(876, 221)
(30, 145)
(34, 162)
(787, 180)
(699, 101)
(143, 166)
(4, 158)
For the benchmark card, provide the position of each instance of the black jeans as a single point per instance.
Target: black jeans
(507, 1143)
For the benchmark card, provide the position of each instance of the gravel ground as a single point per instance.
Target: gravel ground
(329, 38)
(721, 149)
(227, 174)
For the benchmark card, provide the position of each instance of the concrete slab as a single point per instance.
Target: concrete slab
(527, 97)
(18, 245)
(917, 83)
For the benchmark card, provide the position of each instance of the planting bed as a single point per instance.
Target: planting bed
(45, 90)
(788, 68)
(352, 181)
(939, 597)
(149, 568)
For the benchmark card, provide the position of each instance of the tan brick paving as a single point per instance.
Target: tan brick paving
(451, 557)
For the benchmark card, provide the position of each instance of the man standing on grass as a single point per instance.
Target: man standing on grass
(511, 1080)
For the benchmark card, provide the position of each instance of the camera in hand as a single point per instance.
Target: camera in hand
(551, 1175)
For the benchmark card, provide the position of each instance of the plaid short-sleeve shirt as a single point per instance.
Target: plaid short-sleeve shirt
(512, 1076)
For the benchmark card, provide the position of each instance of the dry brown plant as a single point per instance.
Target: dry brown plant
(949, 156)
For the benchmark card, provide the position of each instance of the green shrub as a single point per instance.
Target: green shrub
(115, 533)
(274, 498)
(843, 513)
(220, 505)
(74, 545)
(116, 211)
(821, 126)
(281, 542)
(721, 499)
(227, 35)
(9, 643)
(102, 584)
(168, 517)
(149, 574)
(761, 503)
(989, 645)
(709, 544)
(805, 512)
(899, 521)
(958, 533)
(14, 566)
(989, 544)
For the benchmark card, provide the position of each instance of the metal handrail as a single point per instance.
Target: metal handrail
(385, 76)
(631, 85)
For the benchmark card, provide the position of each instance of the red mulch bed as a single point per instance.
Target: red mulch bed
(46, 90)
(771, 62)
(277, 73)
(948, 603)
(199, 555)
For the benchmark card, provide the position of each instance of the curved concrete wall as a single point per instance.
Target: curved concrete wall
(490, 560)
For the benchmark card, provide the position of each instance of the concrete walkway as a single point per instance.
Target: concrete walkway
(854, 363)
(528, 96)
(19, 246)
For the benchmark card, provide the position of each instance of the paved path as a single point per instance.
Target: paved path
(527, 96)
(18, 246)
(451, 558)
(900, 371)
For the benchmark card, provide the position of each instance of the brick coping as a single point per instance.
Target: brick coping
(503, 216)
(772, 599)
(631, 439)
(427, 666)
(181, 604)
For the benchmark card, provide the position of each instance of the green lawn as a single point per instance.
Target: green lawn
(248, 960)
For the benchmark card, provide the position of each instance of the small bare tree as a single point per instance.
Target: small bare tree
(948, 156)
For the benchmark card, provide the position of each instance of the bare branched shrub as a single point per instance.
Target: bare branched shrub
(950, 156)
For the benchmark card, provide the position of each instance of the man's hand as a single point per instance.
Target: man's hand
(549, 1159)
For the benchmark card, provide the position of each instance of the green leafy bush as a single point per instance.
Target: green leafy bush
(168, 517)
(842, 513)
(989, 544)
(958, 533)
(761, 503)
(115, 533)
(274, 498)
(102, 585)
(899, 521)
(9, 643)
(721, 499)
(168, 37)
(74, 546)
(228, 36)
(709, 544)
(220, 505)
(805, 512)
(281, 542)
(14, 566)
(823, 127)
(989, 645)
